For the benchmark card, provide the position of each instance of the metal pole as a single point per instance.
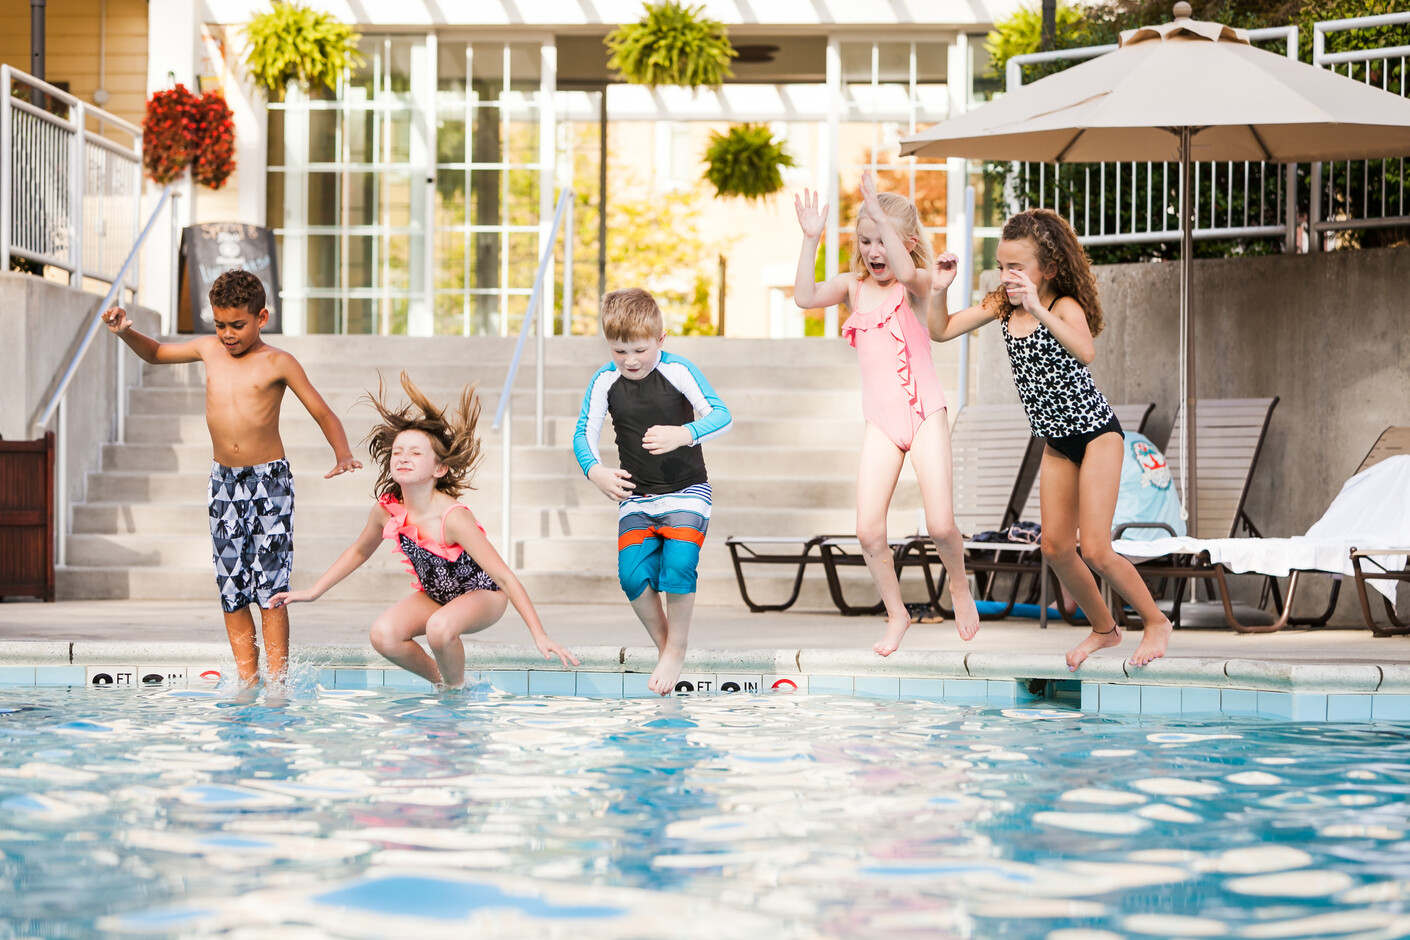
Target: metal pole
(566, 327)
(36, 48)
(1188, 429)
(174, 305)
(61, 487)
(540, 350)
(506, 477)
(77, 179)
(966, 279)
(7, 160)
(602, 199)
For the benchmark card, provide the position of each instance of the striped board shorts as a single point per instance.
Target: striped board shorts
(659, 539)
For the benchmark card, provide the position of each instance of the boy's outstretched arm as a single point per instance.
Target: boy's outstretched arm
(349, 561)
(462, 529)
(147, 348)
(328, 422)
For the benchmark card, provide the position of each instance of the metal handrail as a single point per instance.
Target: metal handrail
(531, 314)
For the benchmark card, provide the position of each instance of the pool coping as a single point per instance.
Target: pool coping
(1351, 692)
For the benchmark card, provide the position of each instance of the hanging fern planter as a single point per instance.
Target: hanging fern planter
(292, 43)
(746, 162)
(671, 45)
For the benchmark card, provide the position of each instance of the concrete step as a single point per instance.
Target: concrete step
(544, 587)
(722, 459)
(753, 402)
(843, 429)
(345, 521)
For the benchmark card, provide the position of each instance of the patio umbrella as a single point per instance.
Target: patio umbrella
(1181, 91)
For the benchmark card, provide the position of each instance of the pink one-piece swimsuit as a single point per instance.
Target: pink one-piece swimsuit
(899, 386)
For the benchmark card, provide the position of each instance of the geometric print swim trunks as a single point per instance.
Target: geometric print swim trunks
(252, 532)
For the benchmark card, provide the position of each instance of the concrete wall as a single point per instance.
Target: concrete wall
(1326, 333)
(43, 323)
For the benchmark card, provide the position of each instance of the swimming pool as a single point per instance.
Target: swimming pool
(383, 812)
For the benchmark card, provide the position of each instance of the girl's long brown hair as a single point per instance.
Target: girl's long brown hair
(453, 438)
(1058, 250)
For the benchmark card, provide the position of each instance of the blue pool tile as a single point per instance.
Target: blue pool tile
(1390, 707)
(515, 682)
(933, 689)
(328, 678)
(634, 685)
(358, 678)
(961, 689)
(20, 675)
(830, 685)
(401, 679)
(1349, 707)
(877, 686)
(1199, 698)
(59, 675)
(1275, 704)
(542, 682)
(1309, 706)
(1238, 701)
(1121, 699)
(1091, 696)
(600, 684)
(1161, 700)
(1009, 691)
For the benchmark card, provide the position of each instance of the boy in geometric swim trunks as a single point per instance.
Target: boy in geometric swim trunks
(251, 491)
(661, 489)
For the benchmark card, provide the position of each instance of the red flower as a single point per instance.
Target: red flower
(181, 129)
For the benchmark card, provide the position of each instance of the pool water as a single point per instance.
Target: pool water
(378, 813)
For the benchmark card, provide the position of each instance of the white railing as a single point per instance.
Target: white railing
(538, 312)
(1375, 187)
(70, 196)
(1135, 202)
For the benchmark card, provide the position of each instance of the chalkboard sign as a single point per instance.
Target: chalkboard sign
(207, 252)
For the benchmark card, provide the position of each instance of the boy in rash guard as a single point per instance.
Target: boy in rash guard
(661, 489)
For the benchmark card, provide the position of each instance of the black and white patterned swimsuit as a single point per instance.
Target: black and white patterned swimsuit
(1057, 391)
(443, 572)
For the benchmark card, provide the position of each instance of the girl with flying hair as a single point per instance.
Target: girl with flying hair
(425, 457)
(1048, 308)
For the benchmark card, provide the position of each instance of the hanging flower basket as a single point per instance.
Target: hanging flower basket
(170, 133)
(294, 43)
(671, 45)
(215, 153)
(746, 162)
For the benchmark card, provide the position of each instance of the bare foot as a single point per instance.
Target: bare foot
(667, 671)
(1153, 641)
(896, 628)
(1090, 644)
(966, 616)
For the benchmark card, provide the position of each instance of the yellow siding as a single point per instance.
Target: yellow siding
(71, 49)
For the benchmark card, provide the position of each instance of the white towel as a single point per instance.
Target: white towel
(1372, 511)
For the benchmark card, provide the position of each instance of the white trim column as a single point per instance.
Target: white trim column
(831, 170)
(420, 319)
(172, 41)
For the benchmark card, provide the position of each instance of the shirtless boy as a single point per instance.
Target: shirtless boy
(251, 490)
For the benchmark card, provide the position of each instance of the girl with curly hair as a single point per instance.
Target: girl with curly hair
(426, 456)
(1048, 308)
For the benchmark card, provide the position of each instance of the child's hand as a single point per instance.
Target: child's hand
(1021, 291)
(947, 268)
(615, 484)
(549, 649)
(345, 465)
(285, 598)
(664, 438)
(116, 319)
(869, 200)
(810, 218)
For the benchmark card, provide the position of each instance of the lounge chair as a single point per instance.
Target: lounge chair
(988, 559)
(993, 463)
(1392, 442)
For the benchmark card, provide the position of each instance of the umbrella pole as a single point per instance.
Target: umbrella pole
(1188, 432)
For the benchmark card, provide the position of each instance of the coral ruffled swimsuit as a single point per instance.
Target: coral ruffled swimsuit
(899, 386)
(443, 572)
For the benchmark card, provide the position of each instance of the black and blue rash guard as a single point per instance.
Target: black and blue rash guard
(672, 393)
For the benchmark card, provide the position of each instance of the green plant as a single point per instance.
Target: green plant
(671, 45)
(746, 162)
(294, 43)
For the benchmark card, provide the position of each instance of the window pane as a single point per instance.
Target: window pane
(485, 143)
(932, 60)
(450, 260)
(360, 264)
(894, 62)
(450, 314)
(450, 197)
(360, 130)
(322, 136)
(361, 196)
(856, 61)
(523, 208)
(323, 199)
(361, 82)
(486, 262)
(323, 261)
(396, 198)
(398, 269)
(399, 66)
(450, 68)
(523, 143)
(396, 314)
(523, 258)
(487, 70)
(515, 315)
(361, 315)
(274, 199)
(397, 127)
(450, 136)
(484, 315)
(274, 149)
(485, 197)
(321, 314)
(525, 66)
